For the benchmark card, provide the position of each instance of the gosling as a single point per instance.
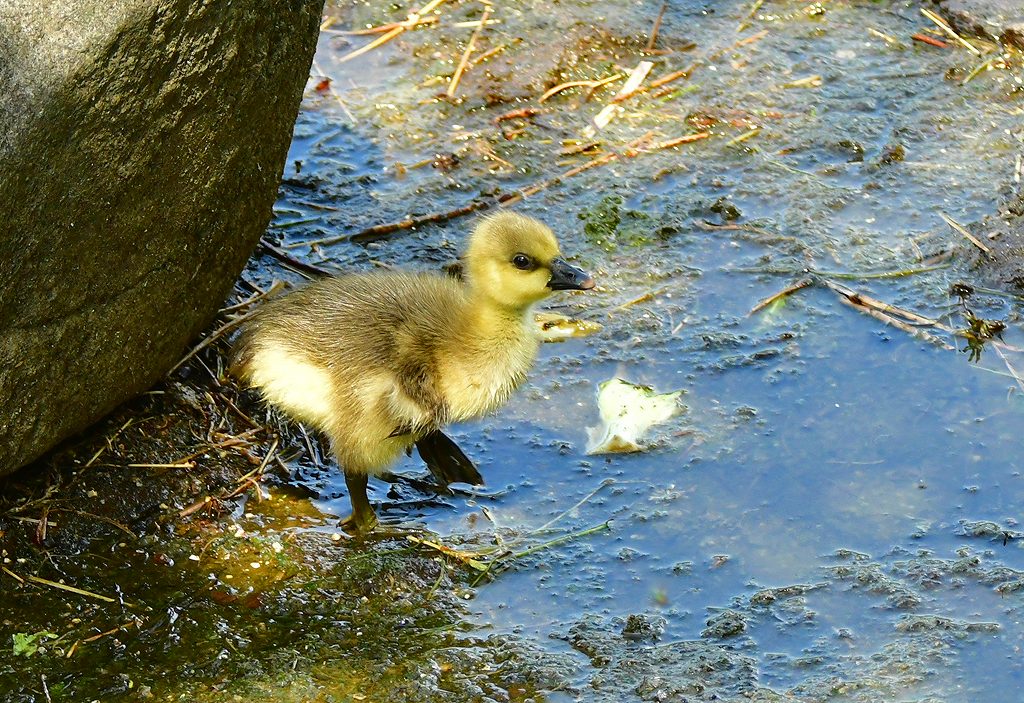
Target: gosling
(379, 361)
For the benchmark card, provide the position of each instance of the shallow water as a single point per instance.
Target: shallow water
(809, 427)
(845, 463)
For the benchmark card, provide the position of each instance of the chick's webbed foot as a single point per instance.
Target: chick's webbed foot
(446, 461)
(362, 519)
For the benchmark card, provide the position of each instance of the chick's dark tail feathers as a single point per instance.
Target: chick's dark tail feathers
(446, 461)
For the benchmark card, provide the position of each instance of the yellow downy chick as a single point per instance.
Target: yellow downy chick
(380, 361)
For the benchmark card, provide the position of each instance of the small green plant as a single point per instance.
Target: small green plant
(978, 330)
(26, 645)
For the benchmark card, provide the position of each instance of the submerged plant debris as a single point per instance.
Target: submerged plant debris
(841, 522)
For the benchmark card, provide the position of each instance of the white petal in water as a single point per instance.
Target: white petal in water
(627, 412)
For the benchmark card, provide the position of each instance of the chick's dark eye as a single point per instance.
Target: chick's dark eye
(522, 262)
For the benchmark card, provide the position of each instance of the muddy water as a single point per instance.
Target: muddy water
(810, 428)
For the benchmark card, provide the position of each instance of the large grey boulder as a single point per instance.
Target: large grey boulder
(141, 142)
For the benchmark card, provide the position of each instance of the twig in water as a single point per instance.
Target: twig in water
(668, 78)
(274, 288)
(576, 84)
(805, 82)
(102, 518)
(304, 268)
(888, 314)
(521, 113)
(736, 45)
(867, 301)
(372, 233)
(379, 29)
(381, 231)
(606, 525)
(746, 20)
(785, 292)
(489, 53)
(409, 23)
(925, 39)
(657, 27)
(109, 632)
(69, 589)
(468, 558)
(599, 161)
(743, 137)
(214, 336)
(960, 228)
(669, 143)
(606, 482)
(944, 26)
(885, 37)
(897, 323)
(984, 65)
(461, 68)
(12, 575)
(901, 273)
(334, 94)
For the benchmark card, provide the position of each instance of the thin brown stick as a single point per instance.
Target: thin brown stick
(410, 22)
(668, 78)
(69, 589)
(867, 301)
(488, 54)
(101, 518)
(334, 94)
(686, 139)
(944, 26)
(214, 336)
(520, 113)
(276, 286)
(746, 19)
(575, 84)
(381, 231)
(897, 323)
(109, 444)
(255, 473)
(309, 271)
(461, 68)
(737, 44)
(924, 38)
(593, 163)
(379, 29)
(784, 293)
(963, 231)
(109, 632)
(13, 575)
(656, 28)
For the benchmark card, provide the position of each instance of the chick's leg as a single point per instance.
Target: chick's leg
(362, 519)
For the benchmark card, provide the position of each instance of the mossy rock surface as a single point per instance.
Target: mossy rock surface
(142, 142)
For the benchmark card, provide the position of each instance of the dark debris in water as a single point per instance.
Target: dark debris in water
(671, 671)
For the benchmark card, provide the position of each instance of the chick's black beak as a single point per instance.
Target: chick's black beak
(567, 277)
